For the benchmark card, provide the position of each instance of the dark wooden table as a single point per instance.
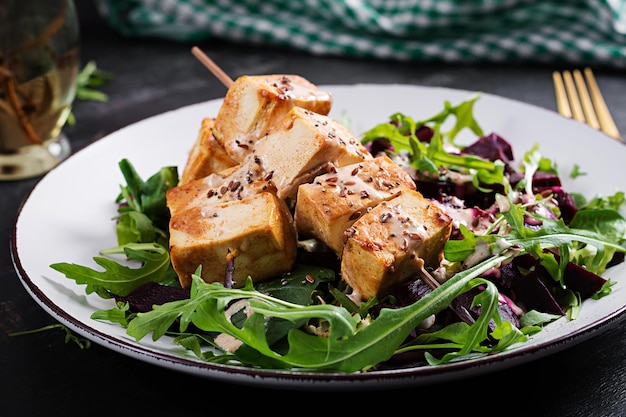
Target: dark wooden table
(41, 375)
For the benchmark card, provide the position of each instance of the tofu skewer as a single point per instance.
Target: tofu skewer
(275, 132)
(235, 222)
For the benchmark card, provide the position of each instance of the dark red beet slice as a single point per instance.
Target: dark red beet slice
(532, 293)
(147, 295)
(491, 147)
(582, 281)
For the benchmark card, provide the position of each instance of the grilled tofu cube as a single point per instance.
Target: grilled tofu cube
(254, 103)
(388, 244)
(235, 183)
(302, 145)
(330, 204)
(206, 156)
(258, 231)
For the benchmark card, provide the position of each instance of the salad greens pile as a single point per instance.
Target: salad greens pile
(306, 320)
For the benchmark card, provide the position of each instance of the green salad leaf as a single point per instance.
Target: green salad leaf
(153, 263)
(427, 158)
(142, 237)
(352, 344)
(144, 216)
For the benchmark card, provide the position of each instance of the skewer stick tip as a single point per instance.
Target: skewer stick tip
(212, 66)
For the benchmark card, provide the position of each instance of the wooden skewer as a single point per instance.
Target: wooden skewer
(212, 66)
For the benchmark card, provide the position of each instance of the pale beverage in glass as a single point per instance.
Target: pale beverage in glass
(39, 61)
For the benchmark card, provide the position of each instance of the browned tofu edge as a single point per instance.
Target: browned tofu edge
(274, 242)
(206, 156)
(376, 257)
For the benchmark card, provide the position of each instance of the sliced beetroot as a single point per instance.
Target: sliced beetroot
(379, 146)
(504, 310)
(544, 180)
(482, 199)
(507, 313)
(526, 261)
(531, 293)
(405, 293)
(411, 291)
(547, 183)
(436, 189)
(491, 147)
(566, 203)
(509, 275)
(618, 258)
(150, 294)
(471, 196)
(424, 133)
(515, 178)
(582, 281)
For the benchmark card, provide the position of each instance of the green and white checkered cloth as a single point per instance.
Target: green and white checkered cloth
(578, 32)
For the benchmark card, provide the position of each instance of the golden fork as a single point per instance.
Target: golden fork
(575, 100)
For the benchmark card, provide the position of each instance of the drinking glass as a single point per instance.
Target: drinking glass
(39, 63)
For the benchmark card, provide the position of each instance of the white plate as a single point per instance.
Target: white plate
(66, 218)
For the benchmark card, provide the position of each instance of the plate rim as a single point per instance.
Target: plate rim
(295, 379)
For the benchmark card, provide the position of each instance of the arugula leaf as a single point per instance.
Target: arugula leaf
(537, 318)
(464, 117)
(69, 336)
(298, 287)
(613, 202)
(120, 315)
(353, 344)
(119, 279)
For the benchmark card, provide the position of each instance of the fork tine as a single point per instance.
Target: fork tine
(562, 103)
(585, 100)
(604, 115)
(570, 87)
